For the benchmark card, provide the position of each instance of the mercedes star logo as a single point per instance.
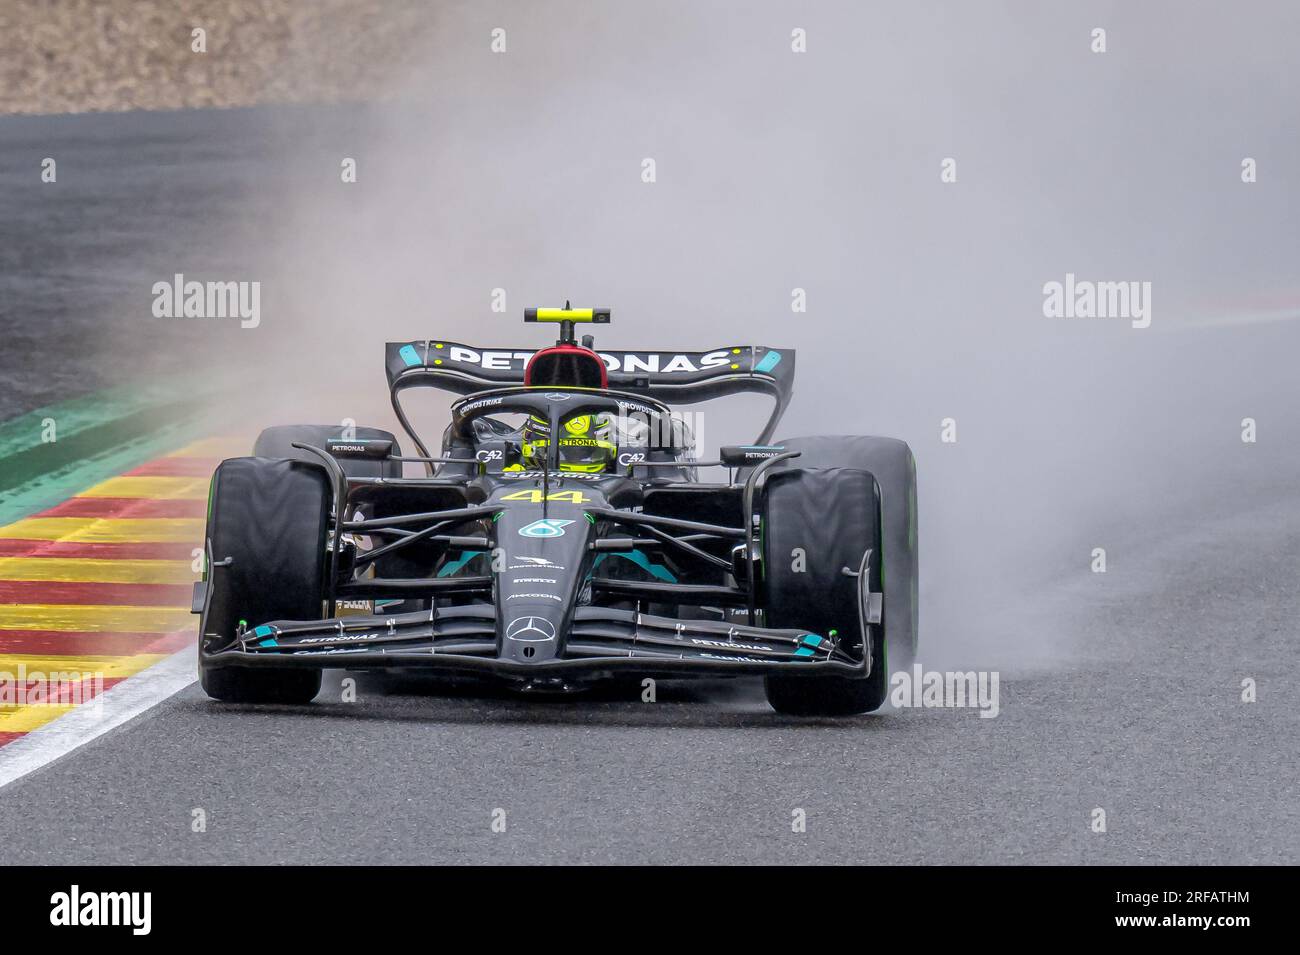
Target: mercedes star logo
(530, 630)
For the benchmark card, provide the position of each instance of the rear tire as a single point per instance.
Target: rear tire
(827, 517)
(270, 517)
(278, 442)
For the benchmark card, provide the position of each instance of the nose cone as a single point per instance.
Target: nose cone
(543, 562)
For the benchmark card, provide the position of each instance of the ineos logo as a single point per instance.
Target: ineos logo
(530, 630)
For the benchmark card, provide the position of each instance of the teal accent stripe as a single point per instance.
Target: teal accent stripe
(658, 571)
(409, 355)
(769, 361)
(465, 557)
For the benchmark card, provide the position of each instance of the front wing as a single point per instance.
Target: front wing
(600, 640)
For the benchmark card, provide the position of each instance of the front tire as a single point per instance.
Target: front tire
(860, 493)
(270, 518)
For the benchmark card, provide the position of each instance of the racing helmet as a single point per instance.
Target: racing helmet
(583, 445)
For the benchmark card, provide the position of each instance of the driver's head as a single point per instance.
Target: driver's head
(584, 444)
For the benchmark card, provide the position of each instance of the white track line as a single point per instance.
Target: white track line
(111, 709)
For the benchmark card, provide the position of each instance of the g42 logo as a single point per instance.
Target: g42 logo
(536, 497)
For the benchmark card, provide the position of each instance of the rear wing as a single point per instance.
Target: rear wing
(671, 377)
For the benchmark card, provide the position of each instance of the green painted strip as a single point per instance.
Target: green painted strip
(57, 486)
(96, 437)
(84, 427)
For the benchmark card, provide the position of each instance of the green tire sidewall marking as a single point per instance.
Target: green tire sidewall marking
(212, 498)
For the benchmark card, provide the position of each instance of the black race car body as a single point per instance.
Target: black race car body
(525, 569)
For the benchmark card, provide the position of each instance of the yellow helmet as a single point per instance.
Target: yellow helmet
(582, 447)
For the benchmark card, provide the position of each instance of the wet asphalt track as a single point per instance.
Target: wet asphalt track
(1146, 724)
(1140, 714)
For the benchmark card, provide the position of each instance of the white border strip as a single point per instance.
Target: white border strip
(93, 719)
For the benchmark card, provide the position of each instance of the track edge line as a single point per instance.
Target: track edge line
(89, 721)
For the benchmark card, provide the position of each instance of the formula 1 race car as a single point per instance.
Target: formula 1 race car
(562, 535)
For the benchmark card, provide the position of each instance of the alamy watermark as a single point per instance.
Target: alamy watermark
(1081, 298)
(931, 688)
(54, 688)
(133, 910)
(644, 433)
(181, 299)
